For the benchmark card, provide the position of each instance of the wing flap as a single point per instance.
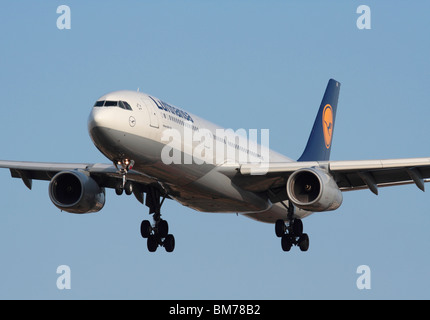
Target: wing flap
(351, 175)
(24, 175)
(378, 164)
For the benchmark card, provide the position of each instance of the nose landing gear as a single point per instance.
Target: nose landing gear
(126, 165)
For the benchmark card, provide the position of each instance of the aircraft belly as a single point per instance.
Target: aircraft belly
(204, 202)
(277, 211)
(214, 192)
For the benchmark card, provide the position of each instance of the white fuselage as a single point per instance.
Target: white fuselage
(183, 152)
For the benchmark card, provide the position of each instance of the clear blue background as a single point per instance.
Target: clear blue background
(240, 64)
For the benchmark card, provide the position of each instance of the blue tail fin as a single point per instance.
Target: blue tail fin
(319, 143)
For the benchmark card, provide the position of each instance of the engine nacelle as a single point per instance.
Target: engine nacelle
(313, 190)
(75, 192)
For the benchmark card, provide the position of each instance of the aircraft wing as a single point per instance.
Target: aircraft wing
(106, 175)
(349, 175)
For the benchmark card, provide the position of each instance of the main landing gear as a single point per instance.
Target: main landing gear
(157, 234)
(292, 234)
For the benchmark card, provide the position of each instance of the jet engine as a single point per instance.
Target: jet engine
(314, 190)
(76, 192)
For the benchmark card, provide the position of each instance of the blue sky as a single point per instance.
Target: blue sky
(240, 64)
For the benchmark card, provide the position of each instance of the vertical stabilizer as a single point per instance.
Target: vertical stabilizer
(320, 140)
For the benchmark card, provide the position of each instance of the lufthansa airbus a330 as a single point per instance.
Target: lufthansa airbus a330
(129, 128)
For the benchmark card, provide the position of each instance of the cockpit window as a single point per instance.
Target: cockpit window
(99, 103)
(124, 105)
(108, 103)
(111, 103)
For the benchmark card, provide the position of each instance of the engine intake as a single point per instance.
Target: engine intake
(75, 192)
(313, 190)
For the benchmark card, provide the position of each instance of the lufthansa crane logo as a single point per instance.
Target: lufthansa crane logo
(132, 121)
(327, 123)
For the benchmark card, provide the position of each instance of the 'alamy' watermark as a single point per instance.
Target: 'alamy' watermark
(364, 280)
(364, 20)
(64, 281)
(64, 21)
(222, 146)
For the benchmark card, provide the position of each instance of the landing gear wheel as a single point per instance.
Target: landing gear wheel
(297, 227)
(286, 242)
(280, 228)
(119, 190)
(163, 228)
(145, 229)
(152, 243)
(128, 188)
(304, 242)
(169, 243)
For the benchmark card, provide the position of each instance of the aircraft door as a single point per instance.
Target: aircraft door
(152, 110)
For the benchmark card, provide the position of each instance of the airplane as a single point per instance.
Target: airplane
(128, 127)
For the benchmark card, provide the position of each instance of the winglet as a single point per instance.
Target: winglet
(319, 143)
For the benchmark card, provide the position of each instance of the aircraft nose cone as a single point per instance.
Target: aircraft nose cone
(98, 125)
(96, 118)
